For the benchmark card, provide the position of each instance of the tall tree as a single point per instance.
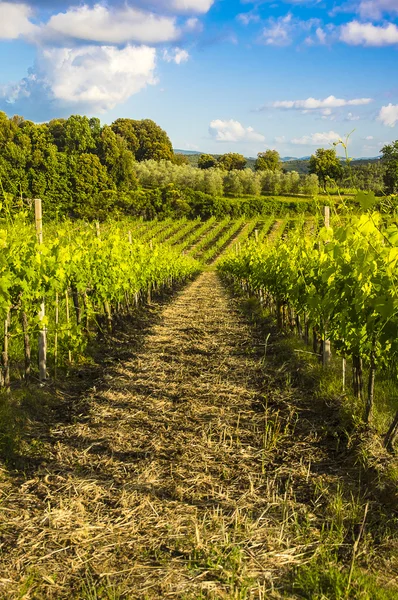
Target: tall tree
(268, 161)
(232, 161)
(145, 138)
(114, 154)
(326, 164)
(78, 135)
(390, 159)
(207, 161)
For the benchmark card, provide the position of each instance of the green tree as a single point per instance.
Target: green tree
(390, 159)
(78, 135)
(207, 161)
(232, 161)
(127, 130)
(145, 138)
(268, 161)
(326, 164)
(119, 161)
(180, 159)
(90, 182)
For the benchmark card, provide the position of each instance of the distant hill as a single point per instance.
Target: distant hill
(187, 152)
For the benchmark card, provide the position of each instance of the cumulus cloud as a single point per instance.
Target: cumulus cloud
(233, 131)
(389, 115)
(356, 33)
(317, 139)
(95, 78)
(248, 17)
(278, 32)
(282, 30)
(352, 117)
(317, 104)
(110, 26)
(177, 55)
(195, 6)
(15, 20)
(374, 9)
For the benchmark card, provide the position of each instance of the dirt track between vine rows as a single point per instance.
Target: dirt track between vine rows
(176, 479)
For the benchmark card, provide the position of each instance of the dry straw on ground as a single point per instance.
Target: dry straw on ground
(186, 475)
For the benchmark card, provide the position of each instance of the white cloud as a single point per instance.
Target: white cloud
(195, 6)
(14, 20)
(321, 35)
(352, 117)
(280, 139)
(247, 18)
(177, 55)
(317, 139)
(369, 138)
(233, 131)
(317, 104)
(367, 34)
(110, 26)
(281, 31)
(278, 32)
(389, 115)
(374, 9)
(96, 77)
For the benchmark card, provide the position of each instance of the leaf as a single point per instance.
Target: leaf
(366, 200)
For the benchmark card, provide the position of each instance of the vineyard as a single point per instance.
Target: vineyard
(191, 430)
(76, 280)
(339, 285)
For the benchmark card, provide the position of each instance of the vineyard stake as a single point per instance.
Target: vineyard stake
(42, 332)
(67, 323)
(327, 353)
(5, 357)
(106, 303)
(26, 341)
(56, 334)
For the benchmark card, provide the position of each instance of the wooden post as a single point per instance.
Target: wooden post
(42, 332)
(344, 373)
(56, 334)
(326, 215)
(5, 357)
(256, 235)
(67, 322)
(26, 341)
(327, 352)
(130, 238)
(107, 308)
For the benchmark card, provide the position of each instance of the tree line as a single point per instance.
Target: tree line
(81, 168)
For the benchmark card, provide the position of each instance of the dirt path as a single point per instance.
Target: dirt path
(177, 482)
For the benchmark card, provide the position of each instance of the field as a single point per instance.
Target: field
(185, 442)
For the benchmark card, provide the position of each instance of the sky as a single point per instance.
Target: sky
(218, 75)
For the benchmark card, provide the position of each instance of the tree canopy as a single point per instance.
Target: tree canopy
(232, 161)
(390, 159)
(326, 164)
(268, 161)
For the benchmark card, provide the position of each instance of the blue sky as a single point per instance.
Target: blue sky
(218, 75)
